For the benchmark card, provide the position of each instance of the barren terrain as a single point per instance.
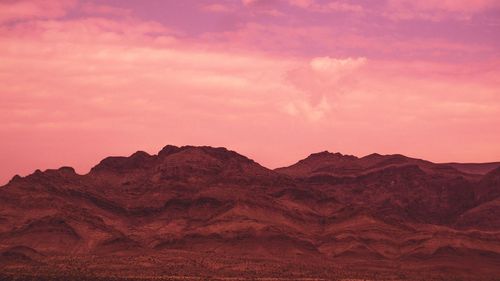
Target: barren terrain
(209, 213)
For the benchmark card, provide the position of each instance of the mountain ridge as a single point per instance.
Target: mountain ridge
(471, 168)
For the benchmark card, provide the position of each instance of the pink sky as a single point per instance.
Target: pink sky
(272, 79)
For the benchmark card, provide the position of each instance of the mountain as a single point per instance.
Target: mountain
(338, 165)
(475, 168)
(203, 211)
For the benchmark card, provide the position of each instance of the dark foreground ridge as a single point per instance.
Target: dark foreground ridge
(210, 213)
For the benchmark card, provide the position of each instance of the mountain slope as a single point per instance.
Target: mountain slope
(475, 168)
(214, 210)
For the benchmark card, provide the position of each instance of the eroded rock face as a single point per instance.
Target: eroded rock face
(333, 208)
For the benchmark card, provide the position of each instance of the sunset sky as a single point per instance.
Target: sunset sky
(274, 80)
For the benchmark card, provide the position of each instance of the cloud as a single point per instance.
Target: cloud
(344, 7)
(319, 82)
(336, 68)
(248, 2)
(217, 8)
(324, 76)
(436, 10)
(303, 108)
(263, 7)
(100, 9)
(28, 9)
(302, 3)
(447, 5)
(105, 70)
(259, 3)
(332, 6)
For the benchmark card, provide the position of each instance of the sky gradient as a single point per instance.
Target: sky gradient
(272, 79)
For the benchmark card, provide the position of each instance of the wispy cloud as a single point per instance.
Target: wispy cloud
(100, 9)
(218, 8)
(436, 10)
(328, 7)
(28, 9)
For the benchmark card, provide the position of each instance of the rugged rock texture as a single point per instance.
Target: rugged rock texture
(204, 210)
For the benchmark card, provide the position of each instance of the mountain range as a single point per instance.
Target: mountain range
(192, 212)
